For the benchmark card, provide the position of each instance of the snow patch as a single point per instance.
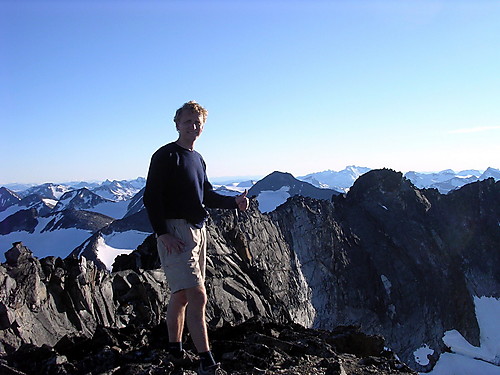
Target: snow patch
(421, 355)
(468, 359)
(270, 199)
(107, 254)
(488, 317)
(116, 210)
(110, 246)
(387, 284)
(456, 364)
(49, 202)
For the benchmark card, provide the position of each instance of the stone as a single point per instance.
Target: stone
(17, 254)
(254, 347)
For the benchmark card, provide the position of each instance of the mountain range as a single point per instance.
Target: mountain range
(416, 266)
(26, 212)
(444, 181)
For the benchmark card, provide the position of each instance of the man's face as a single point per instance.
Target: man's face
(190, 125)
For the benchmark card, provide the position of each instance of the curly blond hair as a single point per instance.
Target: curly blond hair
(193, 107)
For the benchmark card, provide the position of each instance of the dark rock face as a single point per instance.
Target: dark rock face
(87, 220)
(22, 220)
(469, 230)
(397, 261)
(28, 220)
(401, 262)
(137, 221)
(136, 204)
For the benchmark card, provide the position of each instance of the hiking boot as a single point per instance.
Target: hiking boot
(177, 359)
(211, 370)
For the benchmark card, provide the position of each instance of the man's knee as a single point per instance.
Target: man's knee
(197, 295)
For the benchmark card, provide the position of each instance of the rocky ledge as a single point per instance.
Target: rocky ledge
(254, 347)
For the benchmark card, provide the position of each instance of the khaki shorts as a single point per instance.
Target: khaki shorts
(186, 269)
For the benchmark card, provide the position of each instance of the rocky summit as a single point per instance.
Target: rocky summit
(68, 317)
(310, 288)
(254, 347)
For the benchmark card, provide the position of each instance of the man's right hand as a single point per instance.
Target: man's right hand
(171, 243)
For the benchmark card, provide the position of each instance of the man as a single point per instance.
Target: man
(177, 191)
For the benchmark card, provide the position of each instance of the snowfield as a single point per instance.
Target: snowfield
(269, 199)
(116, 210)
(465, 358)
(118, 243)
(57, 243)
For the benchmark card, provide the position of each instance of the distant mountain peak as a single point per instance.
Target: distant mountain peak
(7, 198)
(277, 187)
(340, 181)
(81, 199)
(490, 172)
(448, 180)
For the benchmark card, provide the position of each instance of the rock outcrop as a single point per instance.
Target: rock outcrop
(254, 347)
(44, 300)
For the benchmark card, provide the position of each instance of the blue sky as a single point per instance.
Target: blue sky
(88, 89)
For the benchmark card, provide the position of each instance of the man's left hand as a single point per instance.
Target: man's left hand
(242, 201)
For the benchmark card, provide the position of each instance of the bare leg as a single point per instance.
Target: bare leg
(176, 312)
(195, 317)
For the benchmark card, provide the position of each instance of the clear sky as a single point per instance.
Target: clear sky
(88, 89)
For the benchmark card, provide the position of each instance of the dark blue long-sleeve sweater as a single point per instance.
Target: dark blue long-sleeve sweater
(177, 188)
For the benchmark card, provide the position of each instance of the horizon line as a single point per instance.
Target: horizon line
(238, 177)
